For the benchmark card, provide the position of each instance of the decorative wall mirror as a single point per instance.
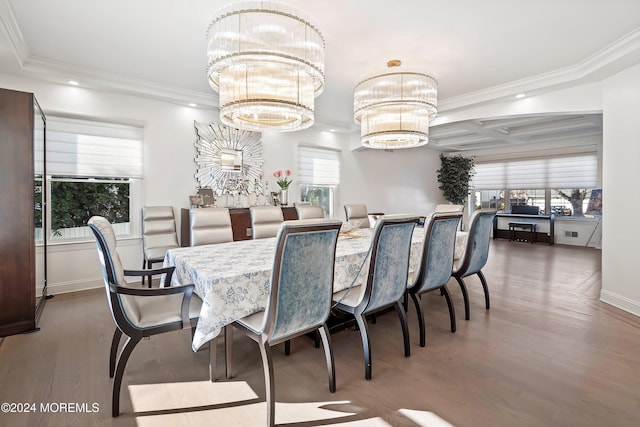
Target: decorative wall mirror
(228, 160)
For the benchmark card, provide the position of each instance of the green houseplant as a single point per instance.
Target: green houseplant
(454, 177)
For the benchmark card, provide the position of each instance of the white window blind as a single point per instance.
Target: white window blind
(86, 148)
(318, 166)
(560, 172)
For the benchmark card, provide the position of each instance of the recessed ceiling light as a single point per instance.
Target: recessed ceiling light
(193, 104)
(332, 130)
(520, 95)
(73, 82)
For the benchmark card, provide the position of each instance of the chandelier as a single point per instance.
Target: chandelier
(267, 64)
(394, 108)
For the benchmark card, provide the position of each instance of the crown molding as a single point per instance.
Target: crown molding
(625, 47)
(8, 19)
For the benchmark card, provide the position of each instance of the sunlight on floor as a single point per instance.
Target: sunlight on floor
(425, 418)
(230, 403)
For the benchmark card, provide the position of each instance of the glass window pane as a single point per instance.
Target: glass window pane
(74, 201)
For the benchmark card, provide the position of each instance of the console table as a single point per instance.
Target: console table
(240, 223)
(539, 228)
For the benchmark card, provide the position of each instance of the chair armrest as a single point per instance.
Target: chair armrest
(187, 290)
(164, 270)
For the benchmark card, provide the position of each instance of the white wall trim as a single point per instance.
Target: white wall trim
(620, 301)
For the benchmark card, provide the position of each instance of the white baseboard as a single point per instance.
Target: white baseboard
(622, 302)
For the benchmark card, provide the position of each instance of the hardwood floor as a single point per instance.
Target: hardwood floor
(548, 353)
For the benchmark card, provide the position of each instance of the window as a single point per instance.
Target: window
(319, 174)
(92, 169)
(560, 185)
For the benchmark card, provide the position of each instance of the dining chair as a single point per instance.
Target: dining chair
(436, 264)
(158, 235)
(357, 213)
(475, 254)
(309, 212)
(137, 313)
(386, 280)
(210, 225)
(265, 221)
(300, 296)
(449, 208)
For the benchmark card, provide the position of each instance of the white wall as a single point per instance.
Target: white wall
(621, 175)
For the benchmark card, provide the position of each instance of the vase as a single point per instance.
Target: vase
(284, 197)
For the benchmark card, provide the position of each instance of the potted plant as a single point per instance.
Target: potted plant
(454, 177)
(283, 181)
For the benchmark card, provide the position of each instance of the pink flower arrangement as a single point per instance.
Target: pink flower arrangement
(281, 178)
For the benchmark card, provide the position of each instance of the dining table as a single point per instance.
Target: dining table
(233, 278)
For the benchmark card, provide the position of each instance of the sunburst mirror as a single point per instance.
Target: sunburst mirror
(227, 159)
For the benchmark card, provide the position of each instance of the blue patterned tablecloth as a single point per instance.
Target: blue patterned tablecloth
(233, 278)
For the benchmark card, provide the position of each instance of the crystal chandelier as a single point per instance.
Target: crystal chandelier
(394, 108)
(267, 64)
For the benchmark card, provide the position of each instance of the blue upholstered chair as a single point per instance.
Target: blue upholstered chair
(300, 297)
(386, 281)
(475, 254)
(137, 312)
(436, 264)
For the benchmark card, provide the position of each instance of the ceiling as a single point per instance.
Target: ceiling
(481, 52)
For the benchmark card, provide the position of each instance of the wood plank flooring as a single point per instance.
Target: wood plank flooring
(548, 353)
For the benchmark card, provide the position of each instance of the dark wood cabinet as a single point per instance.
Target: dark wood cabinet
(240, 223)
(22, 142)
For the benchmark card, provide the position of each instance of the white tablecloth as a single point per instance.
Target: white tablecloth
(233, 278)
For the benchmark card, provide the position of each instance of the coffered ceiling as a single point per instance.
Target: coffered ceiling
(481, 51)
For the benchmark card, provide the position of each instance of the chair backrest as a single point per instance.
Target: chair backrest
(265, 221)
(358, 213)
(302, 278)
(210, 225)
(476, 250)
(124, 308)
(296, 204)
(438, 251)
(449, 208)
(309, 212)
(158, 227)
(389, 262)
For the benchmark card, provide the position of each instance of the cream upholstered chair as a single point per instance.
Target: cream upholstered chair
(449, 208)
(210, 225)
(386, 281)
(265, 221)
(475, 255)
(137, 313)
(158, 235)
(436, 264)
(309, 212)
(300, 296)
(357, 213)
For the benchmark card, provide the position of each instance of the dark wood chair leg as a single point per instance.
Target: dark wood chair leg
(362, 325)
(421, 326)
(287, 347)
(267, 366)
(129, 345)
(228, 350)
(486, 290)
(465, 297)
(452, 311)
(144, 263)
(328, 353)
(117, 334)
(405, 329)
(149, 278)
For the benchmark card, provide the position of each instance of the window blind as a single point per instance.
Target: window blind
(559, 172)
(86, 148)
(318, 166)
